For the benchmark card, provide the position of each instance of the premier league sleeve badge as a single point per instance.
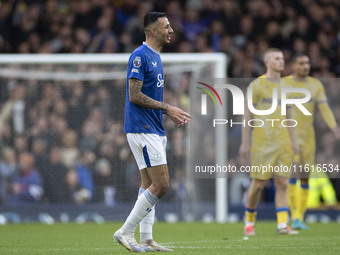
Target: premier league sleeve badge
(137, 62)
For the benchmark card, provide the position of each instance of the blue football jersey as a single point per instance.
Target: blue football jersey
(145, 64)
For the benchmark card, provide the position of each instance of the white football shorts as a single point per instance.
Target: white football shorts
(148, 149)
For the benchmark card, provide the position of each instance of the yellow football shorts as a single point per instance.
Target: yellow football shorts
(271, 158)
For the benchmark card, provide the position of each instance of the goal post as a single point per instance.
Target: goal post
(173, 63)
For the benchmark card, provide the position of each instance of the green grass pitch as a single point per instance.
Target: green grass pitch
(183, 238)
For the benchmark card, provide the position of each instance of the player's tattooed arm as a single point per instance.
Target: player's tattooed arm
(137, 97)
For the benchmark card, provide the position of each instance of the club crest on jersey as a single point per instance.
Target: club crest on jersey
(137, 62)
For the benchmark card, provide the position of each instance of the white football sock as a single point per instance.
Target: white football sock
(142, 207)
(248, 223)
(145, 226)
(282, 225)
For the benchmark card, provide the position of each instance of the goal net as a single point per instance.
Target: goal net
(62, 115)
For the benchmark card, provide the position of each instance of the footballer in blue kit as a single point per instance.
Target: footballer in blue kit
(145, 65)
(144, 109)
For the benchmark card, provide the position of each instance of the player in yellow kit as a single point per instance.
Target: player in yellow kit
(270, 145)
(305, 133)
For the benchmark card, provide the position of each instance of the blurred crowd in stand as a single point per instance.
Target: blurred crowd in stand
(65, 143)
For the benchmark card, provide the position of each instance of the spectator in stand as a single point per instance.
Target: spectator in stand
(7, 170)
(39, 151)
(70, 151)
(134, 30)
(75, 192)
(178, 185)
(60, 108)
(40, 130)
(85, 15)
(104, 103)
(77, 111)
(84, 172)
(15, 108)
(90, 135)
(193, 24)
(103, 179)
(19, 114)
(92, 132)
(27, 185)
(104, 37)
(59, 129)
(21, 144)
(54, 176)
(6, 137)
(7, 108)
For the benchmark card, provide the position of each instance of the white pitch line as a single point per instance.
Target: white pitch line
(202, 241)
(199, 247)
(247, 247)
(180, 245)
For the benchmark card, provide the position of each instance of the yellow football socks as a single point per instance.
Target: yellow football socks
(250, 216)
(293, 198)
(282, 217)
(302, 203)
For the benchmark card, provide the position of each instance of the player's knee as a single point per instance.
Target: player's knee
(145, 184)
(259, 188)
(258, 185)
(162, 188)
(282, 184)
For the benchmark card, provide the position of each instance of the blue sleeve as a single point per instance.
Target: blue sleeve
(85, 179)
(33, 179)
(136, 66)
